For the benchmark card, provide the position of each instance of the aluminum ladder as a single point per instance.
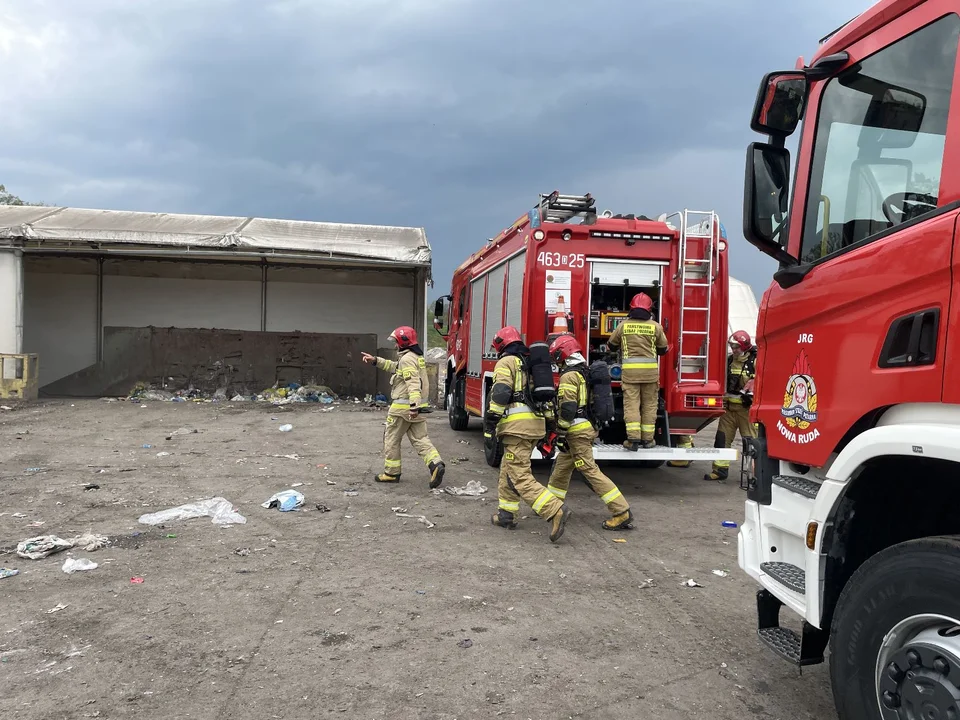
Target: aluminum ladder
(558, 208)
(696, 271)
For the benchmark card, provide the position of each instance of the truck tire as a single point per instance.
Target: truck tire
(456, 412)
(902, 607)
(492, 447)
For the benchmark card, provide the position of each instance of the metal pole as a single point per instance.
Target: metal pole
(100, 309)
(263, 297)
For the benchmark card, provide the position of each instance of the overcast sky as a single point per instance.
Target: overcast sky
(447, 114)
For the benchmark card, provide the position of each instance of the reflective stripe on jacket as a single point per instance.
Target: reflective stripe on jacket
(573, 390)
(638, 341)
(409, 383)
(518, 419)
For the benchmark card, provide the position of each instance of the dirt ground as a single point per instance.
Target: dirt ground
(358, 613)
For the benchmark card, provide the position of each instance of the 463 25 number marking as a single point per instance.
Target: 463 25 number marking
(555, 259)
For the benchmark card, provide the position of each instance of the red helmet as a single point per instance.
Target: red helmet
(740, 339)
(563, 347)
(641, 301)
(405, 337)
(505, 336)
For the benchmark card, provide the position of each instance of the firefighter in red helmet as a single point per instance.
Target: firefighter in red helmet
(519, 428)
(741, 370)
(409, 387)
(641, 341)
(576, 434)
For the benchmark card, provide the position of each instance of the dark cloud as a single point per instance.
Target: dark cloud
(446, 114)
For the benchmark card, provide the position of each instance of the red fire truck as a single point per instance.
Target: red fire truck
(853, 510)
(560, 268)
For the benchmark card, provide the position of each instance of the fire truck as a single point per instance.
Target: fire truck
(853, 509)
(564, 268)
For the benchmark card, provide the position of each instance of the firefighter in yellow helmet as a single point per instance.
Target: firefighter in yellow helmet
(576, 435)
(641, 341)
(409, 386)
(741, 370)
(519, 428)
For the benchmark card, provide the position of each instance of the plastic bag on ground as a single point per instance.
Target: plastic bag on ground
(72, 565)
(90, 541)
(39, 547)
(473, 488)
(219, 509)
(285, 500)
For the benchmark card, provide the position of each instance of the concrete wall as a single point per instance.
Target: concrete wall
(317, 300)
(11, 302)
(60, 314)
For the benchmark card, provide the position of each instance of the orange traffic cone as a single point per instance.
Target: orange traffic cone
(560, 320)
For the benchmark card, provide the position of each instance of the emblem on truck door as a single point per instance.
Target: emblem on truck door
(800, 399)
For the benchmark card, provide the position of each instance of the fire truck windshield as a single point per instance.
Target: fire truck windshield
(880, 136)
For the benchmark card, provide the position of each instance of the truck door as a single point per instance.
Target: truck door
(866, 326)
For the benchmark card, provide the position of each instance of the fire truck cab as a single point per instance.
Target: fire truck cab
(564, 268)
(851, 519)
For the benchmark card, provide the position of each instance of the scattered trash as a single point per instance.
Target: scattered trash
(5, 407)
(293, 485)
(420, 592)
(398, 509)
(293, 456)
(322, 508)
(692, 583)
(37, 524)
(238, 398)
(473, 488)
(219, 509)
(90, 541)
(286, 428)
(137, 580)
(468, 597)
(8, 572)
(463, 442)
(729, 524)
(648, 583)
(285, 500)
(146, 446)
(720, 573)
(619, 540)
(465, 643)
(182, 431)
(171, 536)
(331, 482)
(562, 575)
(242, 552)
(351, 493)
(72, 565)
(18, 515)
(91, 486)
(420, 518)
(35, 470)
(58, 608)
(163, 454)
(337, 611)
(39, 547)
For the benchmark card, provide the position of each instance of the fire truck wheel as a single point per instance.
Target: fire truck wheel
(895, 638)
(457, 414)
(493, 451)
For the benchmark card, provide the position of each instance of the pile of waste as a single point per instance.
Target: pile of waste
(276, 395)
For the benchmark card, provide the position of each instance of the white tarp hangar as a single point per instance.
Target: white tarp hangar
(743, 310)
(68, 274)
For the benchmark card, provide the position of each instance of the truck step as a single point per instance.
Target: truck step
(620, 453)
(798, 485)
(790, 576)
(783, 641)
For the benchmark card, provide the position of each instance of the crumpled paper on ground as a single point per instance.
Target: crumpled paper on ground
(219, 509)
(473, 488)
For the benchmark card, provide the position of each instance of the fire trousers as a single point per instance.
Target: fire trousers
(684, 441)
(737, 417)
(640, 409)
(580, 457)
(517, 481)
(416, 433)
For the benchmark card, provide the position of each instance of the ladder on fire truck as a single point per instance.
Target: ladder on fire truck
(558, 208)
(697, 269)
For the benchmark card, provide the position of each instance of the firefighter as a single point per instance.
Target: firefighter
(684, 441)
(519, 428)
(641, 341)
(741, 370)
(408, 385)
(575, 436)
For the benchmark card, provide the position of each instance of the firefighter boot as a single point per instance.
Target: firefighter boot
(719, 474)
(436, 473)
(386, 478)
(623, 521)
(504, 519)
(558, 523)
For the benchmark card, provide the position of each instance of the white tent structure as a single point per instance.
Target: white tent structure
(743, 311)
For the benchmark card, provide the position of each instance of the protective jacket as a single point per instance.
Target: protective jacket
(572, 402)
(508, 401)
(640, 343)
(409, 384)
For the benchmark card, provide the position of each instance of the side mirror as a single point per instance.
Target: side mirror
(780, 103)
(441, 310)
(765, 191)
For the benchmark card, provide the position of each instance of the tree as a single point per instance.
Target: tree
(8, 198)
